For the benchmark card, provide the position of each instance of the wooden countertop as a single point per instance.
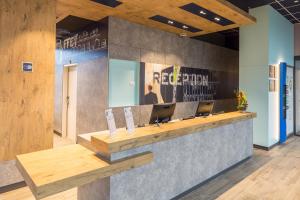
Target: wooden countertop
(52, 171)
(105, 144)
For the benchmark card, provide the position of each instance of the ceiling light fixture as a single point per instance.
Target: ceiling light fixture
(217, 19)
(202, 12)
(183, 35)
(296, 1)
(170, 22)
(185, 27)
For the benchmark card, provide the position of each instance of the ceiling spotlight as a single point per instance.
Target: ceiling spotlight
(217, 19)
(296, 1)
(185, 27)
(202, 12)
(183, 35)
(170, 22)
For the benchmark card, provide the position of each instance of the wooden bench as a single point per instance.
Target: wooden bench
(52, 171)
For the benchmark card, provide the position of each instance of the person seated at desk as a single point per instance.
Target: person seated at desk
(151, 97)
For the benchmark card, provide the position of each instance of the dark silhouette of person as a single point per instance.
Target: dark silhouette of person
(151, 97)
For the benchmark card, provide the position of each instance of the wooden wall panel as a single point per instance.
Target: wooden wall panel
(27, 33)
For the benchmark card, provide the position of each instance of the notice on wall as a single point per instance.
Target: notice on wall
(27, 66)
(273, 78)
(129, 119)
(110, 122)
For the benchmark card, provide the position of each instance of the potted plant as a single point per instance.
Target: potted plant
(242, 102)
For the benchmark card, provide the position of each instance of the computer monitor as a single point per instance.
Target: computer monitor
(162, 113)
(204, 108)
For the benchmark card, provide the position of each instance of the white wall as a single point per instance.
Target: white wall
(268, 42)
(281, 49)
(254, 71)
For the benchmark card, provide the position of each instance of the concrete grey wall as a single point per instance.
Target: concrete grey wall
(136, 42)
(92, 93)
(130, 41)
(297, 39)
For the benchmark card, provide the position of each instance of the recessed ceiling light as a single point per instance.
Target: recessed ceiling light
(217, 19)
(170, 22)
(185, 27)
(202, 12)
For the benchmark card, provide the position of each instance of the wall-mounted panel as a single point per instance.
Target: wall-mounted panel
(138, 83)
(123, 83)
(162, 83)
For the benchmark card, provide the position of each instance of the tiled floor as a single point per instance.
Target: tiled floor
(267, 175)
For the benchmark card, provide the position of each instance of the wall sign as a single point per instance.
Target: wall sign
(84, 44)
(129, 119)
(27, 66)
(110, 122)
(273, 78)
(172, 83)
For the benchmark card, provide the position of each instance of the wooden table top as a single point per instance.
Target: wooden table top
(51, 171)
(102, 141)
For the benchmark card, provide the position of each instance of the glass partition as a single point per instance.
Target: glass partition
(123, 83)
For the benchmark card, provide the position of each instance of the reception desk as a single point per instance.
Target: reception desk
(186, 153)
(152, 163)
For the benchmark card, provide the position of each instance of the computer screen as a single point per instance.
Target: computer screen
(204, 108)
(162, 113)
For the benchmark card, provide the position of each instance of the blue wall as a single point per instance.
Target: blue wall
(254, 71)
(281, 38)
(269, 41)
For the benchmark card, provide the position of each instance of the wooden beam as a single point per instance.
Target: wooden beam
(52, 171)
(61, 17)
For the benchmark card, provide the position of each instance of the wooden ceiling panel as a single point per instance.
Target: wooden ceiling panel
(155, 6)
(82, 8)
(139, 11)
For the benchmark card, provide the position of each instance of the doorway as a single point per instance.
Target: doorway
(69, 101)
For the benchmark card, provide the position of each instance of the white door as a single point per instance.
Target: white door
(297, 100)
(70, 101)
